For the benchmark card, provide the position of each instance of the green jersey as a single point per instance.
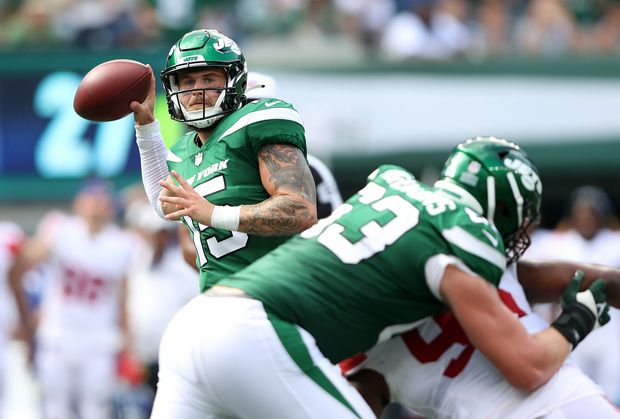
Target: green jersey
(373, 268)
(225, 171)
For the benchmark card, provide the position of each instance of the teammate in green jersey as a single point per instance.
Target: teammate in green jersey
(262, 342)
(239, 180)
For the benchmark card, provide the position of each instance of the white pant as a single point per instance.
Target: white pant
(587, 407)
(222, 357)
(3, 345)
(74, 373)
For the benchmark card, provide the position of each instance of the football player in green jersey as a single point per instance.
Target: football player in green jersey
(261, 86)
(261, 343)
(239, 180)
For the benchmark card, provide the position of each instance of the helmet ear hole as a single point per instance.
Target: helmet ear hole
(502, 209)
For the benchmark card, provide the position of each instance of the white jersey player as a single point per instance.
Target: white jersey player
(83, 323)
(435, 371)
(11, 240)
(589, 240)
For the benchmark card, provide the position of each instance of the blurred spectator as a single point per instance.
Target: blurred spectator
(607, 31)
(160, 284)
(586, 12)
(492, 29)
(97, 24)
(365, 20)
(31, 25)
(425, 31)
(271, 17)
(218, 15)
(83, 314)
(585, 236)
(547, 28)
(399, 29)
(173, 18)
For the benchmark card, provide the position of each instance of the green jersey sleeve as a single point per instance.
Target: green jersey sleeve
(275, 121)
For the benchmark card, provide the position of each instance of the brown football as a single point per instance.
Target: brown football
(105, 92)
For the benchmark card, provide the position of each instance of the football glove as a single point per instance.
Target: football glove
(582, 311)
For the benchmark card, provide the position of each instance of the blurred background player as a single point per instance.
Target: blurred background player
(83, 322)
(11, 240)
(160, 283)
(584, 235)
(244, 164)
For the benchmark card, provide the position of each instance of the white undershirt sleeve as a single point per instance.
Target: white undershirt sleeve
(153, 155)
(435, 268)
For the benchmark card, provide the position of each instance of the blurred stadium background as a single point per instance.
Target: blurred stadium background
(372, 82)
(544, 73)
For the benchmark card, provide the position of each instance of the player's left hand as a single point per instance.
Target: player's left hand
(582, 311)
(593, 298)
(188, 202)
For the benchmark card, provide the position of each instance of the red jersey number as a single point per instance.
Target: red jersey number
(451, 333)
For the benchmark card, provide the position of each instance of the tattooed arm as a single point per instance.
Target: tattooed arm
(291, 208)
(285, 175)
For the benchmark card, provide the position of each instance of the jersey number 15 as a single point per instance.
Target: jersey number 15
(217, 248)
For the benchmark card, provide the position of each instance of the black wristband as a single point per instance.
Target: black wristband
(575, 322)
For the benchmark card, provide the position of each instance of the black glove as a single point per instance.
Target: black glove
(583, 311)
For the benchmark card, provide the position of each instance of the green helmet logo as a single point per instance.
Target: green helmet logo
(497, 179)
(199, 50)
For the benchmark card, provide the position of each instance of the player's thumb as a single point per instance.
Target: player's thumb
(135, 106)
(573, 286)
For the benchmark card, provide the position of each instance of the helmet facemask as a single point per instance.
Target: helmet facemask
(519, 241)
(199, 118)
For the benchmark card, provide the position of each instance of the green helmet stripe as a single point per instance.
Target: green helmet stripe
(491, 198)
(517, 195)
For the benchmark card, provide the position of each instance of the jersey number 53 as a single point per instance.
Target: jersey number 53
(375, 237)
